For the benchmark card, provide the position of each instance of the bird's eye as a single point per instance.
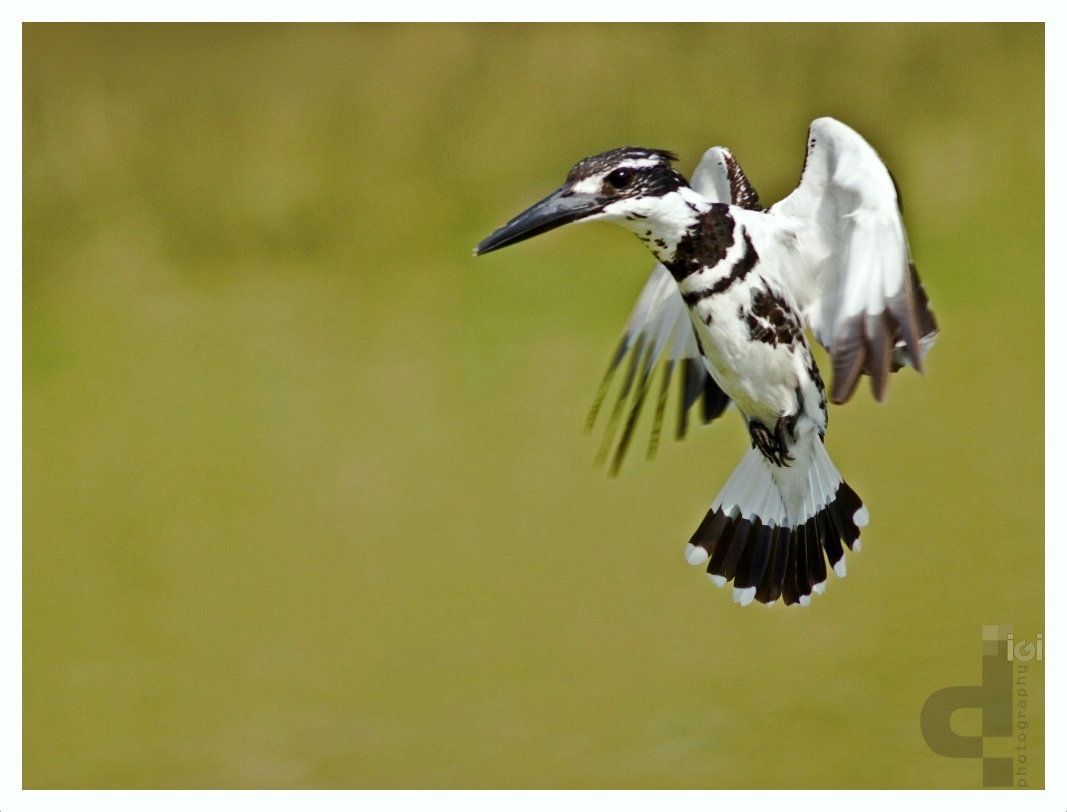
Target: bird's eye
(620, 177)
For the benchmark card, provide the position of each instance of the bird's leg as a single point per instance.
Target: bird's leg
(774, 446)
(782, 432)
(764, 441)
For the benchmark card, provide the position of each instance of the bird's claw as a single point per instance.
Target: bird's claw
(774, 446)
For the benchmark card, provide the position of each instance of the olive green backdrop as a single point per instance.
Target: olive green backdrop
(307, 499)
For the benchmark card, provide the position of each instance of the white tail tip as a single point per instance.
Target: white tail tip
(861, 517)
(695, 554)
(775, 542)
(744, 596)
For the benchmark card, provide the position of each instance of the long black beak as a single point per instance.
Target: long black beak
(559, 208)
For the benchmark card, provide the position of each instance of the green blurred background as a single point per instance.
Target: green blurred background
(307, 500)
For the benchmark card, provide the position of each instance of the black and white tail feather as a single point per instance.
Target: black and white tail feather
(832, 257)
(769, 528)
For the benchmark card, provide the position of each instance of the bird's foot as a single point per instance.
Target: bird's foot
(774, 446)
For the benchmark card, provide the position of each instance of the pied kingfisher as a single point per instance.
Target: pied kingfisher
(728, 302)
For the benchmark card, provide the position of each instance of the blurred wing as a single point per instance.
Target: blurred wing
(660, 332)
(865, 303)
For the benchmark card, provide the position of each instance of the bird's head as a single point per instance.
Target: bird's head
(632, 186)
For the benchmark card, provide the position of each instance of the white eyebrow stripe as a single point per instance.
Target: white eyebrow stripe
(590, 185)
(638, 163)
(593, 183)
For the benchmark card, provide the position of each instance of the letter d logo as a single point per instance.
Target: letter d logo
(993, 697)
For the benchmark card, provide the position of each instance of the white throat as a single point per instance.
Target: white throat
(660, 222)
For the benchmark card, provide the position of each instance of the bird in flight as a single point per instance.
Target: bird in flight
(729, 301)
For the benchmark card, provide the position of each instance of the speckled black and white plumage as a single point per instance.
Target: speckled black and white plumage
(735, 289)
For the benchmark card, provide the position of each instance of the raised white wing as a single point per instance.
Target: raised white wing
(719, 178)
(864, 302)
(659, 329)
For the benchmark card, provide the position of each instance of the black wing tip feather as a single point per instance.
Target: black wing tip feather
(878, 344)
(637, 353)
(778, 561)
(848, 358)
(605, 384)
(697, 386)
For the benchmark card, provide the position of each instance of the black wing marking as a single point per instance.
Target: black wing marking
(640, 357)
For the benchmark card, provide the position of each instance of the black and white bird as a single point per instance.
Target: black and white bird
(728, 303)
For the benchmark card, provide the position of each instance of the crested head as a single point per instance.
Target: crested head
(635, 187)
(627, 172)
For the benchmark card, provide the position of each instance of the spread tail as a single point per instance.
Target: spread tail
(772, 529)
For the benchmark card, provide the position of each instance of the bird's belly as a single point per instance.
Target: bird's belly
(760, 377)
